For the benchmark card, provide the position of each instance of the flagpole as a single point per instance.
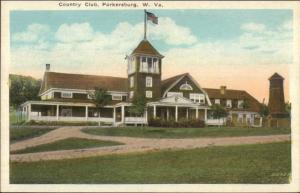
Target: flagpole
(145, 25)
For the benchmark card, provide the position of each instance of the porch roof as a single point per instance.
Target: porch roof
(57, 103)
(177, 101)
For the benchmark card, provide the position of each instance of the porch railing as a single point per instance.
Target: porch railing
(136, 120)
(215, 122)
(61, 118)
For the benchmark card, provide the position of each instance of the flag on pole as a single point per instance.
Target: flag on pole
(152, 17)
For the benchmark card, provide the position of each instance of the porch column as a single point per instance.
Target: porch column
(57, 112)
(176, 113)
(205, 114)
(123, 114)
(29, 112)
(146, 115)
(86, 113)
(168, 114)
(197, 112)
(114, 115)
(154, 111)
(187, 113)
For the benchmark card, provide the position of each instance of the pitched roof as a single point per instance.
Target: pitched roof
(254, 104)
(216, 93)
(145, 47)
(165, 84)
(276, 76)
(81, 81)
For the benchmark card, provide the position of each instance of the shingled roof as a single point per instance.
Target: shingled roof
(81, 81)
(145, 47)
(254, 105)
(165, 84)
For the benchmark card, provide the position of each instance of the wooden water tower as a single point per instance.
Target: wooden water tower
(278, 116)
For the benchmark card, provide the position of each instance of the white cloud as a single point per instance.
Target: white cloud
(253, 27)
(33, 33)
(74, 32)
(171, 33)
(288, 25)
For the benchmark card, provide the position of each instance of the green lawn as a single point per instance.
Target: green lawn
(17, 134)
(155, 132)
(253, 164)
(70, 143)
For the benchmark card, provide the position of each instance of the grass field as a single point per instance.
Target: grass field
(17, 134)
(70, 143)
(253, 164)
(154, 132)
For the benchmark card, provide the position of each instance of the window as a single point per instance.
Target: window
(66, 95)
(131, 81)
(169, 94)
(131, 65)
(131, 94)
(148, 81)
(217, 101)
(228, 103)
(148, 94)
(186, 86)
(116, 97)
(156, 65)
(90, 95)
(197, 98)
(149, 65)
(240, 104)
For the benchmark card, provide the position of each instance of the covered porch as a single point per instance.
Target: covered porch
(79, 112)
(176, 108)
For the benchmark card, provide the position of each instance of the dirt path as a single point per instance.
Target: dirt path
(131, 144)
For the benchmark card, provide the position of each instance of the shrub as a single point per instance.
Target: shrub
(172, 123)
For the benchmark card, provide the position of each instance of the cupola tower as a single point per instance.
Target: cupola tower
(144, 71)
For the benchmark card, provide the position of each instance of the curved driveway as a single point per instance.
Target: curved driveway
(131, 144)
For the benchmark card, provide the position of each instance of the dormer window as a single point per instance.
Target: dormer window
(217, 101)
(186, 86)
(149, 65)
(228, 103)
(66, 95)
(240, 104)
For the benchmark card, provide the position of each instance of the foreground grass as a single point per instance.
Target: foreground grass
(253, 164)
(65, 144)
(154, 132)
(17, 134)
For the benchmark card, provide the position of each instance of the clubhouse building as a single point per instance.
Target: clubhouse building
(66, 97)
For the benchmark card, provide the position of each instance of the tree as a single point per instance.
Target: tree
(138, 105)
(263, 110)
(218, 112)
(288, 108)
(22, 89)
(100, 98)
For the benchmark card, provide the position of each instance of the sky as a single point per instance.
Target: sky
(237, 48)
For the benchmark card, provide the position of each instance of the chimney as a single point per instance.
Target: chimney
(47, 67)
(223, 89)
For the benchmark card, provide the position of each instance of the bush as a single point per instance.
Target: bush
(172, 123)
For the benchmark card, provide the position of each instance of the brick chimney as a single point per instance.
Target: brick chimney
(223, 89)
(47, 67)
